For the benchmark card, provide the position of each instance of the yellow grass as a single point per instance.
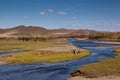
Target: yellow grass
(49, 57)
(9, 45)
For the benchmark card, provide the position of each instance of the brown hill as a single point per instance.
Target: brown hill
(40, 31)
(25, 31)
(31, 31)
(3, 31)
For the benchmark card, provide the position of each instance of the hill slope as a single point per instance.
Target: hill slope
(40, 31)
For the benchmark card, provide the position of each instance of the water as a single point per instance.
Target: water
(57, 71)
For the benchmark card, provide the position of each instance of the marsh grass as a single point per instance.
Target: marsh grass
(48, 57)
(104, 68)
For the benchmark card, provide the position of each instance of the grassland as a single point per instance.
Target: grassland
(49, 57)
(36, 55)
(104, 68)
(9, 45)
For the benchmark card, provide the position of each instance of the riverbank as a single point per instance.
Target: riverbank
(109, 42)
(105, 70)
(51, 52)
(100, 78)
(60, 48)
(44, 57)
(2, 62)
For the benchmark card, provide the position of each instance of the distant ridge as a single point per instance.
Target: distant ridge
(22, 30)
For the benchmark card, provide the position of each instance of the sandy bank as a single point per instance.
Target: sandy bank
(109, 42)
(100, 78)
(61, 48)
(2, 62)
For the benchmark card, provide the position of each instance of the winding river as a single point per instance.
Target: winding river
(57, 71)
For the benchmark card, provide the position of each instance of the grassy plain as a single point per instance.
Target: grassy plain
(104, 68)
(10, 45)
(48, 57)
(37, 56)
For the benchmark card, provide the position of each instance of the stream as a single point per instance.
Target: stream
(58, 71)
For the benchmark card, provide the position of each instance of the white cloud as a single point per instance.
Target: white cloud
(62, 13)
(50, 10)
(42, 13)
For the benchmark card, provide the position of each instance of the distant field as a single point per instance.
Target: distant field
(10, 45)
(104, 68)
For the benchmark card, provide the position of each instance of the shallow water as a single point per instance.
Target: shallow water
(57, 71)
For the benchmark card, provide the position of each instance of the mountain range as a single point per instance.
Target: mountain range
(41, 31)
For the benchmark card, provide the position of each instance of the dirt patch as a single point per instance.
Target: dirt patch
(2, 62)
(62, 48)
(111, 42)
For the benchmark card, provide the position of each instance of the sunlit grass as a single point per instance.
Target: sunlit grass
(48, 57)
(104, 68)
(9, 45)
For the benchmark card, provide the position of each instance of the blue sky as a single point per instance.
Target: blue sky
(102, 15)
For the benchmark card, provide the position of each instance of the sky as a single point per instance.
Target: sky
(101, 15)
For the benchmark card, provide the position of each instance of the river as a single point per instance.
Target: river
(57, 71)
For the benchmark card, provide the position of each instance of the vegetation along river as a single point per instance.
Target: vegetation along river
(57, 71)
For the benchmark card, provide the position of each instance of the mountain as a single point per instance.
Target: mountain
(31, 31)
(24, 31)
(3, 30)
(40, 31)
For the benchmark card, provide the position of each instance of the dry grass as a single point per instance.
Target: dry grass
(41, 56)
(49, 57)
(9, 45)
(104, 68)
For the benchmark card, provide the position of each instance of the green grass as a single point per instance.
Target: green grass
(9, 45)
(104, 68)
(48, 57)
(36, 57)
